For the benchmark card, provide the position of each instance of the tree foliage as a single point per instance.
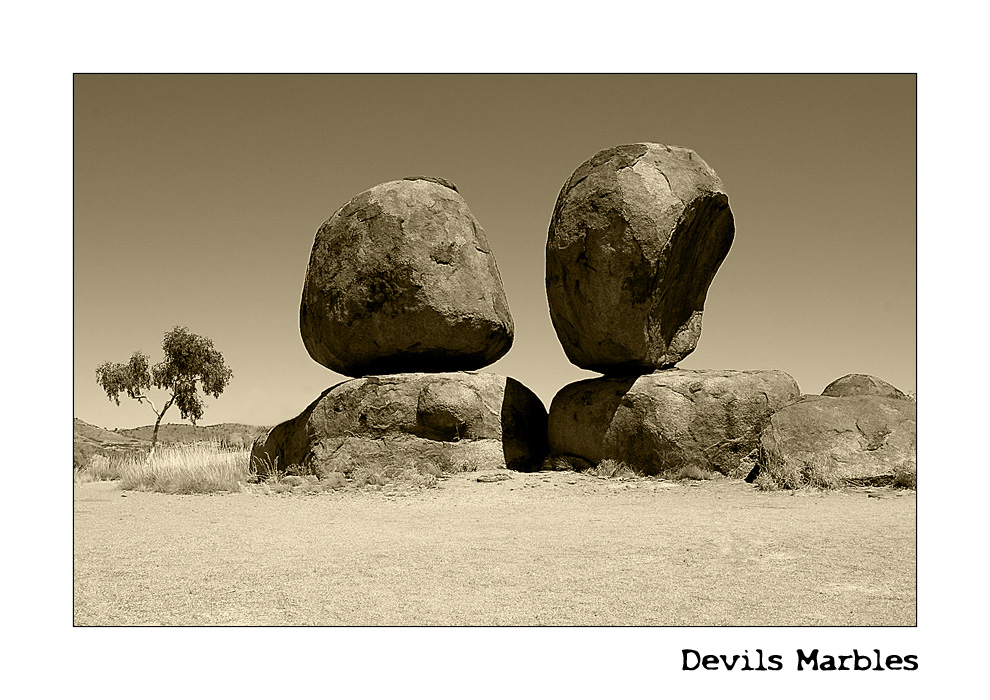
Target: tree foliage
(190, 365)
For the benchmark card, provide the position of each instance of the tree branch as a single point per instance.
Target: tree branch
(141, 398)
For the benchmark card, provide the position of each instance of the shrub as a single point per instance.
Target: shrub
(776, 473)
(822, 472)
(694, 472)
(612, 468)
(906, 475)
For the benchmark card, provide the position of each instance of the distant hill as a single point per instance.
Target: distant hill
(185, 432)
(88, 439)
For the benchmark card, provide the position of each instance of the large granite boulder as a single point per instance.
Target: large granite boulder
(636, 237)
(402, 279)
(406, 419)
(670, 419)
(863, 385)
(862, 436)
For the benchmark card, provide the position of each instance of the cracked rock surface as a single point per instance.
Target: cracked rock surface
(866, 435)
(660, 422)
(411, 420)
(402, 279)
(636, 237)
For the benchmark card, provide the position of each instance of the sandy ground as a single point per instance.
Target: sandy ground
(537, 549)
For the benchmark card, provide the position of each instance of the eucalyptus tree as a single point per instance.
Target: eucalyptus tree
(190, 365)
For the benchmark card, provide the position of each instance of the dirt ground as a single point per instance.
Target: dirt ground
(553, 548)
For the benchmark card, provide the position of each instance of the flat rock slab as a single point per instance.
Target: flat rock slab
(636, 237)
(402, 279)
(670, 419)
(407, 420)
(866, 436)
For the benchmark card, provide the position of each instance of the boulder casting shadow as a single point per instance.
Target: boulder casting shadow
(411, 420)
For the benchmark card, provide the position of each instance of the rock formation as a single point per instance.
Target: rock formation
(403, 292)
(865, 435)
(663, 421)
(402, 279)
(406, 419)
(636, 237)
(863, 385)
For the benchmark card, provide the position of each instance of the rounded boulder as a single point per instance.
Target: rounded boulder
(636, 237)
(408, 419)
(402, 279)
(658, 423)
(863, 385)
(861, 436)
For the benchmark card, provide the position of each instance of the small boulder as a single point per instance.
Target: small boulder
(411, 420)
(402, 279)
(636, 237)
(670, 419)
(861, 436)
(863, 385)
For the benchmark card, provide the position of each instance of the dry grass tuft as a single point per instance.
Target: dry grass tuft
(777, 473)
(612, 468)
(187, 468)
(822, 472)
(693, 472)
(564, 463)
(98, 468)
(906, 475)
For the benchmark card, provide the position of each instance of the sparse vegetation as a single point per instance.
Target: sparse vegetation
(693, 472)
(822, 472)
(565, 463)
(101, 468)
(906, 475)
(176, 468)
(777, 473)
(423, 473)
(612, 468)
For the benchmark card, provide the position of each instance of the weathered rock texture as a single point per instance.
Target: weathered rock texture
(406, 419)
(866, 435)
(636, 237)
(663, 421)
(402, 279)
(863, 385)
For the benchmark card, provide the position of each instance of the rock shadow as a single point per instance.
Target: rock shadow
(524, 428)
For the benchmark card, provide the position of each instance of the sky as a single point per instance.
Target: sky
(197, 199)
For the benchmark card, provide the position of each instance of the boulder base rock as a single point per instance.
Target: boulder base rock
(402, 279)
(408, 419)
(636, 237)
(670, 419)
(865, 436)
(863, 385)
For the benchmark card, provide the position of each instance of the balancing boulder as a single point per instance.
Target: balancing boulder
(411, 420)
(661, 422)
(636, 237)
(402, 279)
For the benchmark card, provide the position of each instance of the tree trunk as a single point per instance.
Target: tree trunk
(158, 422)
(154, 436)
